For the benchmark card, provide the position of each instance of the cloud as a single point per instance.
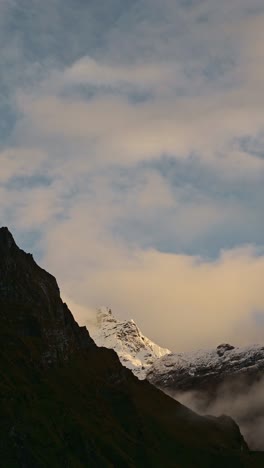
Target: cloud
(181, 301)
(88, 71)
(16, 163)
(144, 131)
(175, 119)
(242, 401)
(132, 138)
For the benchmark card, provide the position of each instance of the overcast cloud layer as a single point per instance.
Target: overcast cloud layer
(132, 160)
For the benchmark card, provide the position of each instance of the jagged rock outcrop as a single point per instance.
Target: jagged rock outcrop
(65, 402)
(135, 351)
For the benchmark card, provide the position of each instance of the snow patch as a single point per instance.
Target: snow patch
(135, 351)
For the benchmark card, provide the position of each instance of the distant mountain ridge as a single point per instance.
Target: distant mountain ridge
(195, 370)
(182, 371)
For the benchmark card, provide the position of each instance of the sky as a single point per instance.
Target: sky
(132, 162)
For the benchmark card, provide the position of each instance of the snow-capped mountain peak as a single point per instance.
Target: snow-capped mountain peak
(135, 351)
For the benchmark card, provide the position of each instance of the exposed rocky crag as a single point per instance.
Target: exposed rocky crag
(65, 402)
(135, 351)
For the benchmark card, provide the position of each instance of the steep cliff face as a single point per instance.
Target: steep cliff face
(65, 402)
(30, 304)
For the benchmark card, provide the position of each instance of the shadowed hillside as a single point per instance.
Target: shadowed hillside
(67, 403)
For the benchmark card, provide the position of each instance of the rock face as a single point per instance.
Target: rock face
(135, 351)
(30, 303)
(65, 402)
(206, 370)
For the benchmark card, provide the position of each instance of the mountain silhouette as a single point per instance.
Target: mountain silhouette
(67, 403)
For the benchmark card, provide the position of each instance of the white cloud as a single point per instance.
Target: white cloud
(17, 162)
(142, 75)
(181, 301)
(164, 78)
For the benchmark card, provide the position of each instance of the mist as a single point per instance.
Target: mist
(242, 401)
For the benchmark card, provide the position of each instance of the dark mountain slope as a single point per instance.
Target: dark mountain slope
(67, 403)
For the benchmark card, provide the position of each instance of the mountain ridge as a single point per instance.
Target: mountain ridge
(225, 378)
(66, 402)
(183, 371)
(24, 284)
